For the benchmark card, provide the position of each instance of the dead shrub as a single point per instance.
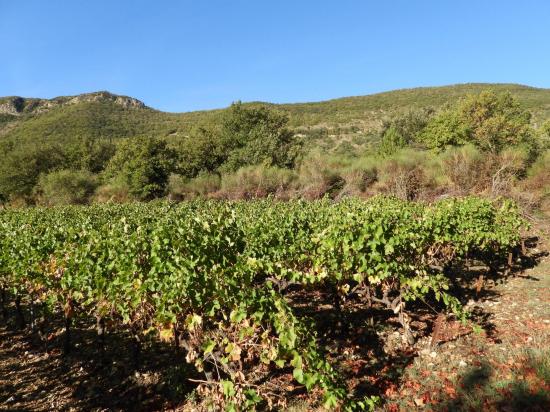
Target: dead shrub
(256, 181)
(114, 192)
(406, 175)
(204, 185)
(470, 171)
(319, 176)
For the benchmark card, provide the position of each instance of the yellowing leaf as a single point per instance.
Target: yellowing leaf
(166, 335)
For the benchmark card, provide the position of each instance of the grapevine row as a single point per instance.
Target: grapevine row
(214, 275)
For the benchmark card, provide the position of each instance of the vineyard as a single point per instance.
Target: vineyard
(217, 280)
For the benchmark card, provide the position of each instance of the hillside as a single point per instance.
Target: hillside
(104, 115)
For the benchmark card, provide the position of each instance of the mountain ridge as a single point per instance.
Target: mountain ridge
(127, 101)
(17, 105)
(108, 115)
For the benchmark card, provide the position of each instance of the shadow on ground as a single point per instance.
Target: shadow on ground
(43, 379)
(526, 391)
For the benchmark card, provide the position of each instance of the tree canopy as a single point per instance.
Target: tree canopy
(489, 120)
(143, 165)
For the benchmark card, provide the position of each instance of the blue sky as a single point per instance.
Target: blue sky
(191, 55)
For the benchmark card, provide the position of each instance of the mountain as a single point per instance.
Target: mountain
(106, 115)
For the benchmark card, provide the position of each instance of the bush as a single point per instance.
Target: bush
(254, 135)
(469, 170)
(359, 176)
(488, 120)
(116, 191)
(180, 188)
(66, 187)
(462, 167)
(321, 175)
(407, 175)
(538, 175)
(256, 181)
(446, 129)
(403, 130)
(21, 167)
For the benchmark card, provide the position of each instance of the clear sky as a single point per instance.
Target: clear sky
(200, 54)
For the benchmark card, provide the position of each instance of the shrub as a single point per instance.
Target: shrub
(462, 167)
(403, 130)
(204, 184)
(392, 141)
(116, 191)
(254, 135)
(256, 181)
(320, 175)
(488, 120)
(468, 170)
(406, 175)
(538, 175)
(359, 176)
(446, 129)
(65, 187)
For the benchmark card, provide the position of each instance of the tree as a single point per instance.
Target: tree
(89, 153)
(495, 120)
(256, 135)
(143, 165)
(243, 136)
(21, 166)
(446, 129)
(488, 120)
(403, 130)
(200, 152)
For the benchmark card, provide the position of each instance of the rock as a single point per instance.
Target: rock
(17, 106)
(462, 364)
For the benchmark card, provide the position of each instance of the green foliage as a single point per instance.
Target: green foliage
(445, 129)
(89, 154)
(495, 120)
(392, 141)
(256, 135)
(65, 187)
(80, 132)
(210, 269)
(200, 152)
(6, 118)
(20, 168)
(488, 120)
(544, 134)
(403, 130)
(244, 136)
(143, 165)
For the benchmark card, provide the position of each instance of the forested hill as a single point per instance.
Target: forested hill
(105, 115)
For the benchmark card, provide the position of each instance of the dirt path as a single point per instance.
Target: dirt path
(503, 367)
